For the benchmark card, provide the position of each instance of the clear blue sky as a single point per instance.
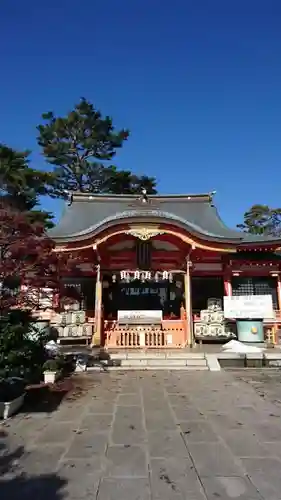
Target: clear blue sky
(198, 83)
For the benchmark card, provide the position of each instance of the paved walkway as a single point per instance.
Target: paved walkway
(148, 436)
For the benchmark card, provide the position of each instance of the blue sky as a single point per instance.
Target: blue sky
(198, 83)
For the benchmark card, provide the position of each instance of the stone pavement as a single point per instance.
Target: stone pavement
(148, 436)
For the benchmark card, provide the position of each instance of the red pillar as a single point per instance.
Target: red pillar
(279, 291)
(227, 284)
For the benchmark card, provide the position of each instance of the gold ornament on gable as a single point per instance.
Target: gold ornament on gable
(144, 233)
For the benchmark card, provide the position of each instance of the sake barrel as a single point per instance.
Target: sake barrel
(205, 315)
(216, 330)
(217, 317)
(214, 304)
(200, 329)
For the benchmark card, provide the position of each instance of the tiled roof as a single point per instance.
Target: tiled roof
(89, 214)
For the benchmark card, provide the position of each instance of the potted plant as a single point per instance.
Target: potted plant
(51, 370)
(12, 392)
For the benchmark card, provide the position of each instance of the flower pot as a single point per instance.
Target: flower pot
(10, 407)
(50, 377)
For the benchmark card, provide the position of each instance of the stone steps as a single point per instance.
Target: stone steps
(153, 361)
(146, 368)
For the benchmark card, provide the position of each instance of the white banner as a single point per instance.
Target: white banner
(248, 307)
(139, 317)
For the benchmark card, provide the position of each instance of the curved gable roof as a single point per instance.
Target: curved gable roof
(89, 214)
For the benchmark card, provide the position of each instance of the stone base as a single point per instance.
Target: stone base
(9, 408)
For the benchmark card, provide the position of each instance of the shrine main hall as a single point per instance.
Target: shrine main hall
(152, 270)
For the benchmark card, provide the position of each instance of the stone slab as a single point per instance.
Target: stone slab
(57, 433)
(166, 362)
(243, 444)
(194, 435)
(131, 367)
(198, 432)
(272, 355)
(165, 446)
(185, 413)
(96, 422)
(213, 363)
(116, 356)
(126, 462)
(273, 363)
(214, 459)
(255, 355)
(196, 362)
(231, 355)
(124, 489)
(134, 362)
(180, 354)
(175, 479)
(129, 400)
(100, 407)
(230, 488)
(129, 434)
(157, 354)
(265, 475)
(87, 444)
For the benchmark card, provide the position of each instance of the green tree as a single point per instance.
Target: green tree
(22, 352)
(125, 182)
(21, 185)
(263, 220)
(80, 147)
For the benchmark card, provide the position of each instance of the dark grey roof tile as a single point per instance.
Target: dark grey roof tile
(88, 214)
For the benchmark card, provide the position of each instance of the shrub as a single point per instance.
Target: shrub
(21, 353)
(51, 365)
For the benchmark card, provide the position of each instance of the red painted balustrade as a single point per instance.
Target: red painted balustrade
(171, 333)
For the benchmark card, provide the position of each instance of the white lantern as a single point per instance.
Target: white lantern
(137, 275)
(123, 275)
(165, 275)
(147, 275)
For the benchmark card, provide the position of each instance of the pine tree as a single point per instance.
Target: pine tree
(21, 185)
(263, 220)
(80, 147)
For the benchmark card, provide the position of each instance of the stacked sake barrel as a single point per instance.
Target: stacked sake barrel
(72, 324)
(212, 323)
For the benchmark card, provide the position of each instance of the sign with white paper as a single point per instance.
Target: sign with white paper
(139, 317)
(248, 307)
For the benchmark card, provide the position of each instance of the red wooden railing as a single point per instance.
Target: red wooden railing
(170, 333)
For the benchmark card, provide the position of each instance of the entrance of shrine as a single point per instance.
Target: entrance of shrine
(143, 295)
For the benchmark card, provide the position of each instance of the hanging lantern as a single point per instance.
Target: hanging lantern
(137, 275)
(165, 275)
(114, 278)
(124, 275)
(156, 277)
(170, 278)
(147, 275)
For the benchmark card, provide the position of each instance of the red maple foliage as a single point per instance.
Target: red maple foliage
(27, 260)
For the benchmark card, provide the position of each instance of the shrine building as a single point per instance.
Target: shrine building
(153, 270)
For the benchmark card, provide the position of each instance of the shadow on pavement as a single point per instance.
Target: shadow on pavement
(18, 485)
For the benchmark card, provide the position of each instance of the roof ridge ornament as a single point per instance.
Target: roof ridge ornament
(143, 201)
(212, 194)
(144, 197)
